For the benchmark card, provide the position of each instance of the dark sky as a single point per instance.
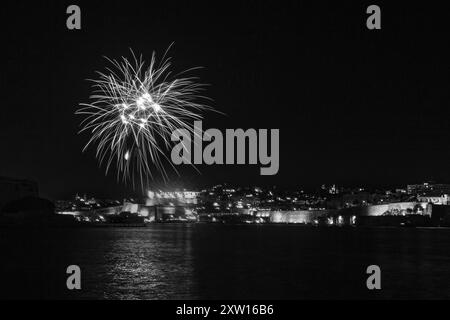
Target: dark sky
(353, 106)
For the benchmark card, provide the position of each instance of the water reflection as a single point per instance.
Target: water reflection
(204, 261)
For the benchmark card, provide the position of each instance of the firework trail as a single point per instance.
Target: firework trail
(133, 111)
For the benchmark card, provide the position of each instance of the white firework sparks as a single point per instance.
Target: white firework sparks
(133, 111)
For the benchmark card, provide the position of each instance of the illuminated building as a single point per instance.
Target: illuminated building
(299, 216)
(171, 197)
(437, 199)
(422, 189)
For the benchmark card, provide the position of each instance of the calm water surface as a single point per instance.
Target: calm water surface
(206, 261)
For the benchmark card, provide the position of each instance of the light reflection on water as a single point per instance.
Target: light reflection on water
(142, 264)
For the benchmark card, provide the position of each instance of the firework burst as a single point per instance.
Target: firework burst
(133, 111)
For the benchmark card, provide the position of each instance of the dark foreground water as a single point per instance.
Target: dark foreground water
(205, 261)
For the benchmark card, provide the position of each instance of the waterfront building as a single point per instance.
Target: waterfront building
(422, 189)
(436, 198)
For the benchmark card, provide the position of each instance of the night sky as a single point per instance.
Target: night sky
(354, 106)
